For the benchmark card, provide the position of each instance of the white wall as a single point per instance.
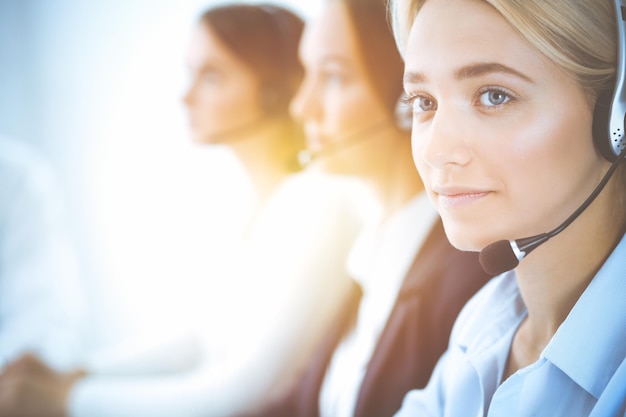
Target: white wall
(96, 85)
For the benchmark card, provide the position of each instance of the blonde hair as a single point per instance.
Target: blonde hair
(577, 35)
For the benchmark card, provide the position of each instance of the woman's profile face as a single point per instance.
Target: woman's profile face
(336, 101)
(223, 95)
(501, 136)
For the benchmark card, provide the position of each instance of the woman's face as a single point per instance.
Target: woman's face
(336, 101)
(223, 96)
(501, 136)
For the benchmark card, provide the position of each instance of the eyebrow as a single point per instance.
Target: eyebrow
(208, 68)
(470, 71)
(476, 70)
(204, 68)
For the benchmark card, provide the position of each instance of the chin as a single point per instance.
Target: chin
(203, 138)
(195, 135)
(466, 239)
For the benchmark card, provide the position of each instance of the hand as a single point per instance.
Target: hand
(29, 388)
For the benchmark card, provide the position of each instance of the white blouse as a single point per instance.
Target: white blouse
(379, 262)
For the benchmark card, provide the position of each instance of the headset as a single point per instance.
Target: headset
(609, 114)
(402, 120)
(274, 94)
(609, 128)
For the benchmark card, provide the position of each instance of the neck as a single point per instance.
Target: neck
(554, 276)
(394, 179)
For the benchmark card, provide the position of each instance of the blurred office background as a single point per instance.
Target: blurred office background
(96, 86)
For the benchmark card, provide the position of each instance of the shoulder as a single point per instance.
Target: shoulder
(18, 155)
(318, 184)
(28, 186)
(317, 195)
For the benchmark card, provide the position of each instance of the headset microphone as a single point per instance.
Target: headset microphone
(504, 255)
(307, 156)
(609, 127)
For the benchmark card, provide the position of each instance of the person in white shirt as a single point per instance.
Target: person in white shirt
(510, 134)
(285, 279)
(42, 308)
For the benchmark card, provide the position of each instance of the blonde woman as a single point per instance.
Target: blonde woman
(503, 95)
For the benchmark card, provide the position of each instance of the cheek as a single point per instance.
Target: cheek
(350, 111)
(549, 169)
(231, 105)
(556, 148)
(541, 168)
(417, 150)
(339, 112)
(420, 139)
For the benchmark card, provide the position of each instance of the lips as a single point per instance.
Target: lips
(458, 197)
(193, 121)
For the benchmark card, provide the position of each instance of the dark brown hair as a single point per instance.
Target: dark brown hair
(265, 38)
(377, 46)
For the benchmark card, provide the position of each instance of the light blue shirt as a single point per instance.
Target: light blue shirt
(581, 372)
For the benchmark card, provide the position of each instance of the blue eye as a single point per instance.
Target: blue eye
(494, 97)
(419, 103)
(425, 103)
(211, 78)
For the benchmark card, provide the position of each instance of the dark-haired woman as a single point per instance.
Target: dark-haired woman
(409, 283)
(284, 282)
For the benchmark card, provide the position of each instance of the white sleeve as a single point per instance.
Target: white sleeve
(287, 283)
(181, 395)
(41, 305)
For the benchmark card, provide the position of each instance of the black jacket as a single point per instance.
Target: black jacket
(439, 282)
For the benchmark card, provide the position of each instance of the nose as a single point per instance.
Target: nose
(445, 140)
(305, 103)
(189, 95)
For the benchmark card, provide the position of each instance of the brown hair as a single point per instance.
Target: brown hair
(265, 38)
(377, 47)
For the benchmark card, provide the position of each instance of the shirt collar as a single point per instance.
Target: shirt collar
(591, 342)
(496, 309)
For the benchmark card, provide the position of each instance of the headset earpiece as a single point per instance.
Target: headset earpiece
(609, 118)
(601, 129)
